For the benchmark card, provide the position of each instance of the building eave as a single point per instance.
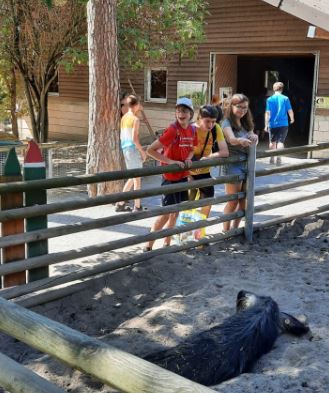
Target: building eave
(315, 12)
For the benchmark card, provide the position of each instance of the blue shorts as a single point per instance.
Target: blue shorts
(278, 134)
(237, 168)
(175, 197)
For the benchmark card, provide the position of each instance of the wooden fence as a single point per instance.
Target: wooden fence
(23, 324)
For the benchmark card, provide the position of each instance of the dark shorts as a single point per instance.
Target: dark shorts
(278, 134)
(205, 192)
(176, 197)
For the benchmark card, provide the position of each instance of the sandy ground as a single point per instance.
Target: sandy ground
(160, 302)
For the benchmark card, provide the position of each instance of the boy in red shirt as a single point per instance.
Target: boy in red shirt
(177, 143)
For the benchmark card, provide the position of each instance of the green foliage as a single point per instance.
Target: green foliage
(4, 90)
(153, 31)
(150, 31)
(35, 37)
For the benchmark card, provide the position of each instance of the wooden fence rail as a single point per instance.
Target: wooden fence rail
(68, 181)
(128, 373)
(46, 260)
(110, 365)
(60, 207)
(112, 220)
(16, 378)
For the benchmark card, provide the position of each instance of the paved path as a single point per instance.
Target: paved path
(83, 239)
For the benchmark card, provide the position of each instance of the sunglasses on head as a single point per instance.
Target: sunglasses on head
(241, 107)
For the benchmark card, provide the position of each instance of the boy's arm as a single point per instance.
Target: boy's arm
(267, 120)
(291, 115)
(222, 145)
(152, 152)
(136, 138)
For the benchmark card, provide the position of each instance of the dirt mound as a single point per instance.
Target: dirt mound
(159, 302)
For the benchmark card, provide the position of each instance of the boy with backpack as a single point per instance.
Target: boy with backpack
(176, 145)
(211, 144)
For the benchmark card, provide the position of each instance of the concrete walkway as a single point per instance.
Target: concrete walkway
(123, 231)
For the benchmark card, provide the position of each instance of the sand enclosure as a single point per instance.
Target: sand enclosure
(159, 302)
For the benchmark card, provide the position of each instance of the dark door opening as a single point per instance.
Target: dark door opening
(296, 72)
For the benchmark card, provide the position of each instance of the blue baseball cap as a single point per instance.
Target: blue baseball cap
(184, 101)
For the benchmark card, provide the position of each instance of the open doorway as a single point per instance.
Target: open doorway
(254, 75)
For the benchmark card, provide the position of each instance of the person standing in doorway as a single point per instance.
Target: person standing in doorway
(238, 129)
(278, 107)
(133, 152)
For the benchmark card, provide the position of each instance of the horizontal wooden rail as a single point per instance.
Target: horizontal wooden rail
(68, 181)
(43, 146)
(290, 217)
(98, 269)
(294, 184)
(50, 259)
(289, 201)
(17, 379)
(293, 167)
(87, 225)
(110, 365)
(292, 150)
(59, 207)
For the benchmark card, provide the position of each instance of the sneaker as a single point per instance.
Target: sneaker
(279, 161)
(122, 208)
(147, 249)
(272, 160)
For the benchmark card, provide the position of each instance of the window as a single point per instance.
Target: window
(195, 90)
(156, 85)
(270, 78)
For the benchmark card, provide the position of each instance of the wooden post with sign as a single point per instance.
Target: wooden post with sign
(12, 200)
(34, 169)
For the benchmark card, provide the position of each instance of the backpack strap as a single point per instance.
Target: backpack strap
(215, 147)
(205, 144)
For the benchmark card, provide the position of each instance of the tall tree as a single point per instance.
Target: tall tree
(8, 94)
(149, 31)
(103, 139)
(35, 39)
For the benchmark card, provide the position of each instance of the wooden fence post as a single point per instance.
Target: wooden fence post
(12, 200)
(17, 378)
(250, 194)
(112, 366)
(34, 169)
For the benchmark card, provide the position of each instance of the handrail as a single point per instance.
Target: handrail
(67, 181)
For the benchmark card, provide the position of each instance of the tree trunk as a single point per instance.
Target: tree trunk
(43, 117)
(29, 98)
(13, 99)
(104, 152)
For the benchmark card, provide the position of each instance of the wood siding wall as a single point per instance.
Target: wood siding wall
(240, 26)
(226, 71)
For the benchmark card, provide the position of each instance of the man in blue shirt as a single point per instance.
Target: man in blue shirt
(278, 108)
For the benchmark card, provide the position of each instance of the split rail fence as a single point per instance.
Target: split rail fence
(127, 373)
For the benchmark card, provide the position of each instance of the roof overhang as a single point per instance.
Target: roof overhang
(315, 12)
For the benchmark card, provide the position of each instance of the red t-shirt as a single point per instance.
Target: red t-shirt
(178, 143)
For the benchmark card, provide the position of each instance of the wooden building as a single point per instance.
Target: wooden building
(249, 45)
